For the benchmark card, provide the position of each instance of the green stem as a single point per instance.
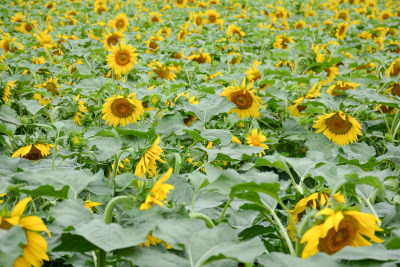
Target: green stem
(204, 217)
(184, 156)
(5, 64)
(187, 75)
(266, 124)
(194, 198)
(361, 195)
(117, 158)
(282, 228)
(302, 229)
(387, 124)
(224, 210)
(355, 111)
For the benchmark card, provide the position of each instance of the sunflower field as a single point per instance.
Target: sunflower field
(192, 133)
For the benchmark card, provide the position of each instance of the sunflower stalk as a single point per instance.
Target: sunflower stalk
(224, 210)
(204, 217)
(117, 158)
(395, 124)
(366, 200)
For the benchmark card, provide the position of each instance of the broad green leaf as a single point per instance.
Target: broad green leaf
(195, 135)
(9, 115)
(271, 189)
(91, 85)
(224, 136)
(276, 160)
(105, 147)
(6, 130)
(286, 260)
(233, 152)
(73, 242)
(32, 105)
(70, 213)
(143, 256)
(10, 244)
(123, 180)
(210, 106)
(171, 123)
(108, 236)
(376, 252)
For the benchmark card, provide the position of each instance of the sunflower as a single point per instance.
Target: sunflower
(155, 17)
(235, 30)
(159, 192)
(151, 43)
(394, 68)
(111, 39)
(89, 204)
(341, 30)
(7, 90)
(256, 139)
(341, 86)
(163, 71)
(331, 73)
(27, 27)
(34, 251)
(120, 23)
(51, 86)
(244, 98)
(122, 58)
(313, 201)
(385, 14)
(297, 108)
(282, 41)
(338, 127)
(9, 44)
(212, 15)
(338, 230)
(394, 89)
(152, 241)
(182, 34)
(300, 24)
(201, 57)
(236, 58)
(281, 13)
(164, 31)
(198, 19)
(81, 108)
(342, 14)
(190, 99)
(253, 74)
(18, 17)
(180, 3)
(122, 110)
(100, 9)
(148, 163)
(189, 120)
(33, 152)
(285, 63)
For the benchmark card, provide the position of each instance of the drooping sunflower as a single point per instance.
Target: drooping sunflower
(189, 120)
(340, 229)
(297, 108)
(244, 98)
(285, 63)
(34, 251)
(151, 43)
(256, 139)
(80, 109)
(111, 39)
(7, 90)
(122, 58)
(163, 71)
(180, 3)
(51, 86)
(394, 89)
(341, 86)
(148, 162)
(253, 74)
(159, 192)
(338, 127)
(234, 30)
(312, 201)
(236, 58)
(152, 241)
(394, 68)
(33, 152)
(122, 110)
(201, 57)
(341, 30)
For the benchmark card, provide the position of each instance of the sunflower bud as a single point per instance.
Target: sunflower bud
(391, 184)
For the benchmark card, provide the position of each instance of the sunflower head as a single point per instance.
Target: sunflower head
(122, 110)
(122, 58)
(33, 152)
(111, 39)
(394, 68)
(341, 30)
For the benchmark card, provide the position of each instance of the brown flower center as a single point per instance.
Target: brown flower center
(337, 125)
(112, 40)
(242, 99)
(34, 154)
(155, 19)
(396, 89)
(120, 24)
(179, 2)
(122, 108)
(336, 240)
(164, 72)
(101, 9)
(122, 58)
(212, 18)
(153, 45)
(51, 87)
(342, 30)
(342, 15)
(199, 21)
(28, 27)
(396, 70)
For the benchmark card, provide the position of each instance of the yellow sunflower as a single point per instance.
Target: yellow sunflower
(151, 43)
(338, 230)
(331, 73)
(111, 39)
(394, 89)
(285, 63)
(120, 23)
(7, 90)
(159, 192)
(155, 17)
(148, 162)
(198, 19)
(9, 44)
(312, 201)
(163, 71)
(34, 251)
(341, 86)
(122, 58)
(81, 108)
(236, 58)
(341, 30)
(244, 98)
(212, 15)
(300, 24)
(201, 57)
(89, 204)
(256, 139)
(122, 110)
(282, 41)
(152, 241)
(100, 9)
(182, 34)
(235, 30)
(394, 68)
(33, 152)
(180, 3)
(338, 127)
(18, 17)
(253, 74)
(27, 27)
(297, 108)
(385, 14)
(342, 14)
(51, 86)
(190, 99)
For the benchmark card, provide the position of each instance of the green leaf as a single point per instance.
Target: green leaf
(375, 252)
(9, 115)
(108, 236)
(210, 106)
(285, 260)
(72, 242)
(70, 213)
(31, 105)
(105, 147)
(171, 123)
(61, 183)
(224, 136)
(271, 189)
(195, 135)
(143, 256)
(91, 85)
(10, 245)
(276, 160)
(233, 152)
(123, 180)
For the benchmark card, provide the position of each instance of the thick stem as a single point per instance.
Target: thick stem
(204, 217)
(225, 208)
